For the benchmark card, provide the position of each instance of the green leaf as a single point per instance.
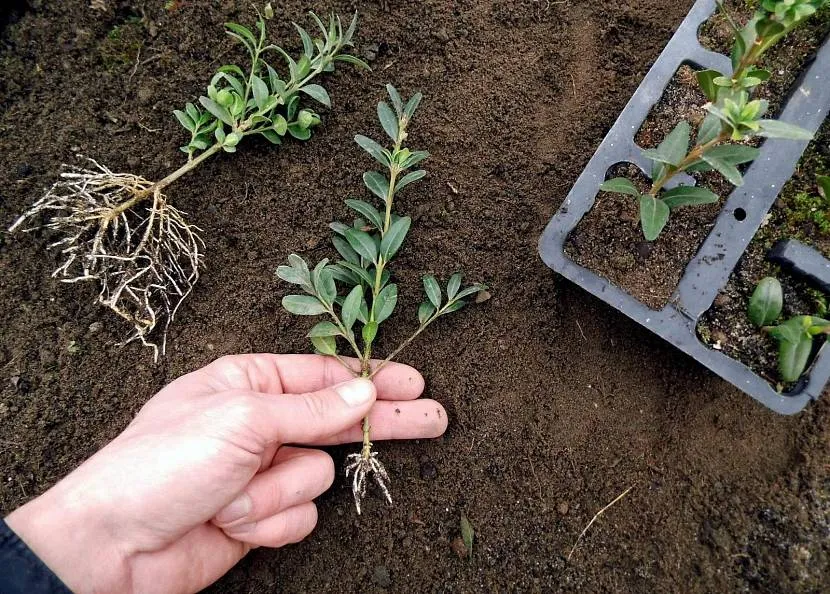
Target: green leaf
(317, 93)
(303, 305)
(654, 214)
(735, 154)
(388, 120)
(823, 182)
(776, 129)
(323, 329)
(351, 306)
(425, 312)
(308, 44)
(738, 51)
(344, 249)
(467, 534)
(363, 244)
(294, 276)
(260, 90)
(244, 33)
(688, 195)
(370, 330)
(192, 112)
(453, 285)
(709, 129)
(476, 288)
(725, 168)
(272, 136)
(343, 275)
(377, 184)
(367, 210)
(675, 146)
(185, 120)
(766, 302)
(354, 60)
(705, 78)
(219, 112)
(298, 132)
(793, 357)
(433, 290)
(412, 105)
(415, 158)
(656, 155)
(364, 274)
(620, 185)
(326, 287)
(385, 303)
(397, 102)
(373, 148)
(325, 345)
(409, 178)
(454, 306)
(392, 240)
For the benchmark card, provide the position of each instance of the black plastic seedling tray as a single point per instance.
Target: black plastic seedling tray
(737, 224)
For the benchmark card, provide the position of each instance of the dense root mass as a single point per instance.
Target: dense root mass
(118, 229)
(362, 467)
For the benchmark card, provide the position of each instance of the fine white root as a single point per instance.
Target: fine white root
(118, 229)
(364, 466)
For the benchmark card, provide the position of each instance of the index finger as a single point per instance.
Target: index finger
(296, 374)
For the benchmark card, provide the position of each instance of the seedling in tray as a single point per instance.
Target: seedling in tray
(733, 117)
(120, 230)
(365, 297)
(795, 336)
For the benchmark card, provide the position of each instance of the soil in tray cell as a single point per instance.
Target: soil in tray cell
(609, 241)
(799, 213)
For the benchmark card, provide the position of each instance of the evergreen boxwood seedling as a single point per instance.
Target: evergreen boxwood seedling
(733, 116)
(121, 231)
(357, 294)
(795, 336)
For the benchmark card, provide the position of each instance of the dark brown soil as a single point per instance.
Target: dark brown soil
(799, 213)
(557, 403)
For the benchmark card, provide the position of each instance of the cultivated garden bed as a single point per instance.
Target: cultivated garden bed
(557, 403)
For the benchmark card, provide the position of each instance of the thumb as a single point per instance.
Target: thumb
(306, 418)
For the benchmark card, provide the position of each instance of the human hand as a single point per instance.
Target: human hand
(204, 472)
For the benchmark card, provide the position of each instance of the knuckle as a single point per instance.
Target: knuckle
(315, 405)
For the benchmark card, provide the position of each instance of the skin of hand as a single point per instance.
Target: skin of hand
(210, 468)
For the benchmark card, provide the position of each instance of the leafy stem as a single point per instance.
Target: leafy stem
(360, 284)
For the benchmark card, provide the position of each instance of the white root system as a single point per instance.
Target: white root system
(117, 229)
(363, 467)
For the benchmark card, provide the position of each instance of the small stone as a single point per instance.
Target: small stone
(370, 52)
(459, 548)
(73, 348)
(428, 470)
(95, 327)
(563, 508)
(644, 248)
(720, 337)
(442, 35)
(483, 296)
(24, 170)
(722, 300)
(145, 94)
(381, 577)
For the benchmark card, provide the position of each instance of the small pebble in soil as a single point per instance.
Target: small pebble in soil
(381, 577)
(458, 547)
(563, 508)
(24, 170)
(428, 470)
(722, 300)
(370, 52)
(644, 248)
(95, 327)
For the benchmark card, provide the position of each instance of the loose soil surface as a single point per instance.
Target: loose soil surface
(557, 403)
(799, 213)
(609, 240)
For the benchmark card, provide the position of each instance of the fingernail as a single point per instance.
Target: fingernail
(356, 392)
(235, 510)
